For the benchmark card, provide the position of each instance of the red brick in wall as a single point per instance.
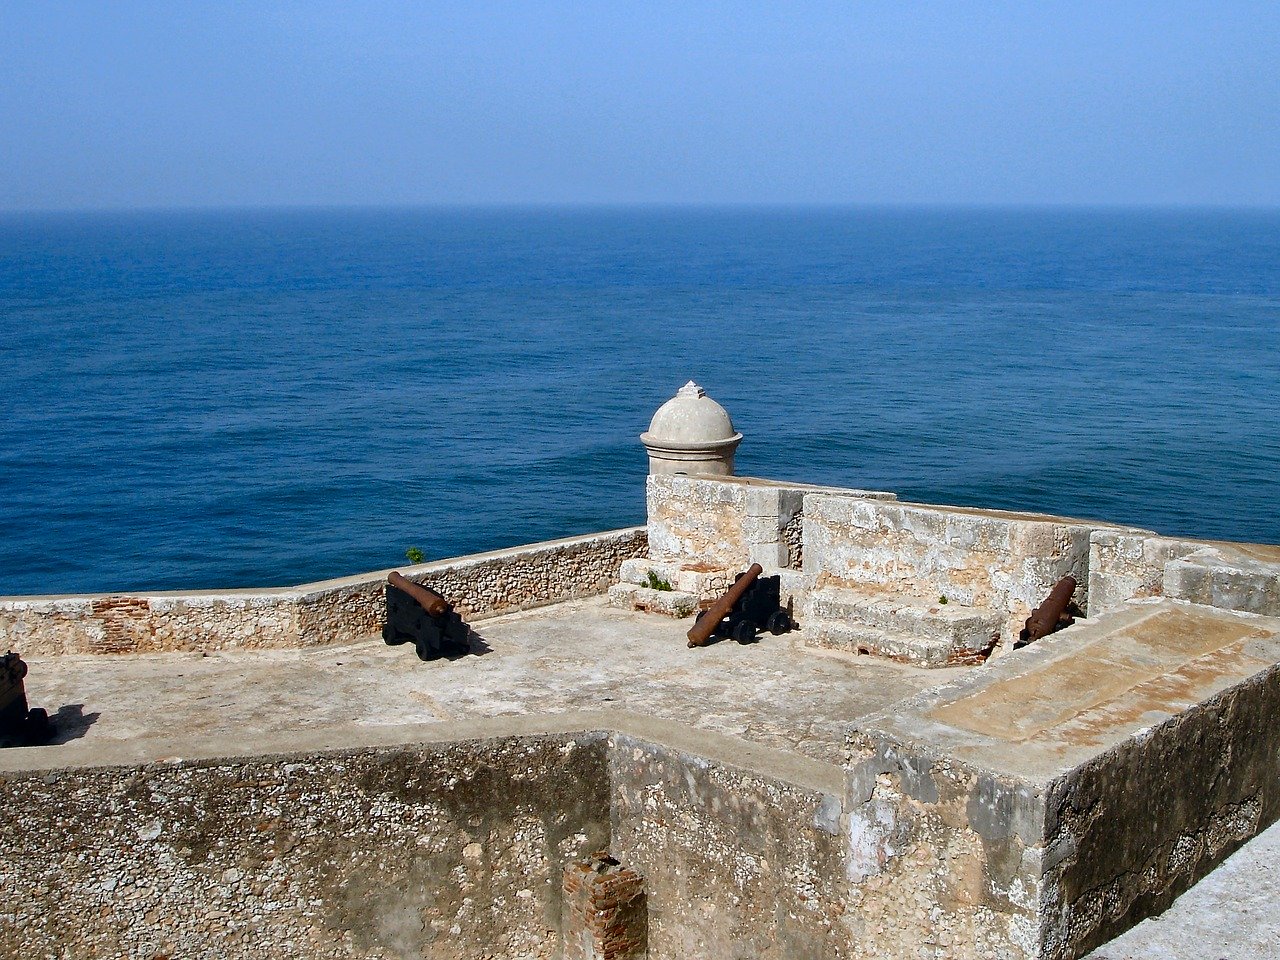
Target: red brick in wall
(605, 914)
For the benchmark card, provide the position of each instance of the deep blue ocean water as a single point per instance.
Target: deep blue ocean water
(234, 399)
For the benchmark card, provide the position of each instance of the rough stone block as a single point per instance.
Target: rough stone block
(1128, 565)
(772, 556)
(793, 590)
(763, 502)
(670, 603)
(1227, 577)
(1046, 803)
(702, 580)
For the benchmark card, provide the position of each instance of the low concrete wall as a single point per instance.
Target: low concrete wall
(731, 521)
(1005, 562)
(439, 851)
(331, 611)
(1134, 564)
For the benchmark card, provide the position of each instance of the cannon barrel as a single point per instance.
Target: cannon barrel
(701, 631)
(428, 599)
(1049, 616)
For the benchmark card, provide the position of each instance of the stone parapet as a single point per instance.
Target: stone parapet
(1134, 564)
(1129, 565)
(731, 521)
(330, 611)
(985, 559)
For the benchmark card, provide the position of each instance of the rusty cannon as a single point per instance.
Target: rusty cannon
(419, 614)
(753, 603)
(1054, 614)
(19, 725)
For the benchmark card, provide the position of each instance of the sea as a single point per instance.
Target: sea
(251, 398)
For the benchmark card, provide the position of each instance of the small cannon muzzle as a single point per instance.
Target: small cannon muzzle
(1050, 616)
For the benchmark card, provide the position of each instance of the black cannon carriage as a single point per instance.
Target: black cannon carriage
(419, 614)
(752, 604)
(19, 726)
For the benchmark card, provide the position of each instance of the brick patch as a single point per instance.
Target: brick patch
(606, 916)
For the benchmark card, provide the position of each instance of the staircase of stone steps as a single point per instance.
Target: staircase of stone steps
(910, 629)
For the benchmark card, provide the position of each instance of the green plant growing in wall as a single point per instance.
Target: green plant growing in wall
(655, 582)
(942, 599)
(414, 555)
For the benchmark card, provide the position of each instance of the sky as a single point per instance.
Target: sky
(184, 104)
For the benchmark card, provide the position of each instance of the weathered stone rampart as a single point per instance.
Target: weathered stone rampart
(1027, 810)
(1023, 811)
(330, 611)
(1132, 564)
(731, 521)
(443, 851)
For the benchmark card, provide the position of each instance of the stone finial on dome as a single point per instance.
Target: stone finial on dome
(691, 433)
(691, 389)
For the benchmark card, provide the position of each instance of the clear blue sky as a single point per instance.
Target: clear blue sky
(126, 104)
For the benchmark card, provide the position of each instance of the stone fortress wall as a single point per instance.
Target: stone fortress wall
(427, 850)
(922, 583)
(1028, 809)
(331, 611)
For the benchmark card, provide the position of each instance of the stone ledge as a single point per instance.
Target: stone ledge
(705, 581)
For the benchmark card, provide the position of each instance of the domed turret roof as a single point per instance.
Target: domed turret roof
(691, 419)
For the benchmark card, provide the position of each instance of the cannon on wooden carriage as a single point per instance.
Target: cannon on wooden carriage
(752, 604)
(19, 725)
(419, 614)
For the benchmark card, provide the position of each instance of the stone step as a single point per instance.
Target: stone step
(870, 641)
(952, 623)
(904, 628)
(671, 603)
(905, 649)
(700, 579)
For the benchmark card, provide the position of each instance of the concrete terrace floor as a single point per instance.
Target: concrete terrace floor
(570, 660)
(571, 657)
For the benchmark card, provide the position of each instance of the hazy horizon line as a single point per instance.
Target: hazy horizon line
(656, 206)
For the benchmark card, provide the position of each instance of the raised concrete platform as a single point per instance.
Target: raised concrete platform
(1067, 791)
